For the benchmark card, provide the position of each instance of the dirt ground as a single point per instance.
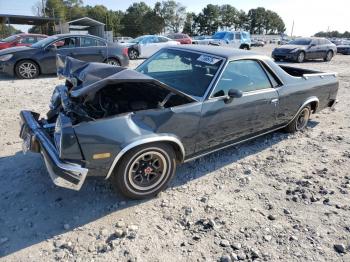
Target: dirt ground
(280, 197)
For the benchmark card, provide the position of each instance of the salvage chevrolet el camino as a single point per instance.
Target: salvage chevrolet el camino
(135, 126)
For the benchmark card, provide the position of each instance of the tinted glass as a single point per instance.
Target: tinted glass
(244, 75)
(28, 40)
(9, 39)
(87, 41)
(230, 36)
(45, 42)
(162, 39)
(69, 42)
(300, 41)
(185, 71)
(219, 35)
(237, 36)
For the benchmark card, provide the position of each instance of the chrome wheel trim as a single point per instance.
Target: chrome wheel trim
(27, 70)
(131, 170)
(302, 119)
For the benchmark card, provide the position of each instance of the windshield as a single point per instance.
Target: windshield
(137, 40)
(219, 35)
(300, 41)
(185, 71)
(10, 38)
(44, 42)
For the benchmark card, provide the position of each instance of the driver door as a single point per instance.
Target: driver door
(225, 121)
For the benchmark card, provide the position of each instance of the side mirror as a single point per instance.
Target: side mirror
(51, 48)
(233, 93)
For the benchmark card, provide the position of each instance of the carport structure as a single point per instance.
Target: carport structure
(85, 24)
(26, 19)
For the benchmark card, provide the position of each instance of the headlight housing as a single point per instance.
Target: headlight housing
(7, 57)
(294, 50)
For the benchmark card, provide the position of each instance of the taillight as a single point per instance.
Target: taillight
(125, 51)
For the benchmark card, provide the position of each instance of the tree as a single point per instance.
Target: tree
(208, 20)
(190, 25)
(7, 30)
(152, 23)
(262, 21)
(133, 19)
(173, 13)
(229, 16)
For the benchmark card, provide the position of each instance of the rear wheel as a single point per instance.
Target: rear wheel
(113, 61)
(27, 69)
(144, 171)
(133, 54)
(328, 57)
(300, 121)
(301, 57)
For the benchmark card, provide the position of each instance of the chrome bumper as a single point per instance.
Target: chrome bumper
(35, 139)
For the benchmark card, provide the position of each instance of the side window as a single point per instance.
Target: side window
(69, 42)
(230, 36)
(87, 41)
(100, 43)
(238, 36)
(244, 75)
(28, 40)
(162, 40)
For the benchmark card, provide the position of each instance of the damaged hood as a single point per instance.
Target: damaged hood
(88, 77)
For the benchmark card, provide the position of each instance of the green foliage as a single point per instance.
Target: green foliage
(262, 21)
(173, 13)
(208, 20)
(6, 30)
(334, 34)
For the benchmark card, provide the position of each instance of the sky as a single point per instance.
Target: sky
(309, 16)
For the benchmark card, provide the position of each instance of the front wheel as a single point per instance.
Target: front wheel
(328, 57)
(301, 57)
(144, 171)
(133, 54)
(27, 69)
(300, 121)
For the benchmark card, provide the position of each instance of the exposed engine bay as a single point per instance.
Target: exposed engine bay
(113, 99)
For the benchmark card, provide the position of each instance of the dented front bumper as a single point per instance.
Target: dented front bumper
(36, 139)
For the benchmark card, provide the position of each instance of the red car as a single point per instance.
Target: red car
(20, 40)
(182, 38)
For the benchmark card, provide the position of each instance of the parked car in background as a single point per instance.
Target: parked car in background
(302, 49)
(275, 40)
(135, 126)
(40, 58)
(257, 43)
(344, 47)
(147, 45)
(20, 40)
(235, 39)
(197, 38)
(184, 39)
(283, 41)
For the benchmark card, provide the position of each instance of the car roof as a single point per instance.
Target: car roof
(224, 52)
(77, 35)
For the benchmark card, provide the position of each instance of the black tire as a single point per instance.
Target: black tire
(27, 69)
(300, 121)
(244, 47)
(301, 57)
(329, 56)
(113, 61)
(133, 54)
(144, 171)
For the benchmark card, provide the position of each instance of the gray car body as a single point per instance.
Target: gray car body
(205, 125)
(45, 58)
(316, 50)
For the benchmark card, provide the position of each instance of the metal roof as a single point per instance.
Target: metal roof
(25, 19)
(85, 21)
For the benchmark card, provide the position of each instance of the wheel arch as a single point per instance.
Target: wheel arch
(170, 139)
(312, 101)
(112, 57)
(28, 59)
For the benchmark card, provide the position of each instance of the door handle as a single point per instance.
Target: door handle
(274, 101)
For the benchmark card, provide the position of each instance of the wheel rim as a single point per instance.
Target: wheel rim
(302, 119)
(147, 170)
(301, 57)
(329, 56)
(133, 54)
(27, 70)
(113, 62)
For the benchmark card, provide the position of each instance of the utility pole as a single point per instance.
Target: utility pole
(291, 34)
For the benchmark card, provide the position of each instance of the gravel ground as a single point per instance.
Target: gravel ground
(280, 197)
